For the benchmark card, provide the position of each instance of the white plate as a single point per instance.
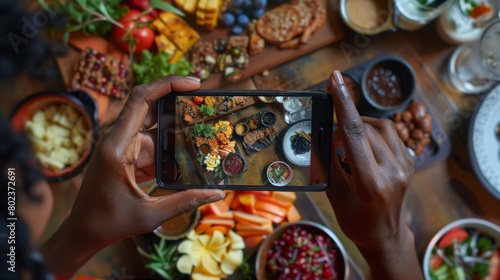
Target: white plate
(484, 147)
(303, 160)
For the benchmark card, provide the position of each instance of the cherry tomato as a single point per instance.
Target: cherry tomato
(198, 100)
(143, 35)
(455, 234)
(494, 272)
(435, 262)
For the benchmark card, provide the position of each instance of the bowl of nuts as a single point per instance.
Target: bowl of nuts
(414, 126)
(62, 128)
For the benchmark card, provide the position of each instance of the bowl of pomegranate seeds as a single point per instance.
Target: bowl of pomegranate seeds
(302, 250)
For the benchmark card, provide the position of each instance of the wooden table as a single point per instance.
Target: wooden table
(439, 194)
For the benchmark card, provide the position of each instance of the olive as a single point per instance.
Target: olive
(236, 51)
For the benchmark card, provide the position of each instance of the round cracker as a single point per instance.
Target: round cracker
(280, 24)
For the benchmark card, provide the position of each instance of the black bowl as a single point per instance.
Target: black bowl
(387, 84)
(81, 101)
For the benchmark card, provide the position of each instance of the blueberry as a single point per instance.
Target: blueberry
(228, 19)
(259, 4)
(237, 3)
(243, 20)
(258, 13)
(236, 30)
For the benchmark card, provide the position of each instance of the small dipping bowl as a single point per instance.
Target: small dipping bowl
(242, 129)
(268, 118)
(368, 17)
(177, 227)
(234, 165)
(387, 85)
(274, 165)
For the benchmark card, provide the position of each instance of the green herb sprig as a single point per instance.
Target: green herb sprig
(96, 17)
(163, 259)
(151, 67)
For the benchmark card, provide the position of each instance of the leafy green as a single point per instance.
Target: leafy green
(151, 67)
(97, 17)
(203, 130)
(484, 244)
(207, 111)
(162, 259)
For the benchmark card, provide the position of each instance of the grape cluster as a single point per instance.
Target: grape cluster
(300, 145)
(240, 13)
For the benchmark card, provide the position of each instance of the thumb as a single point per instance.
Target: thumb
(167, 207)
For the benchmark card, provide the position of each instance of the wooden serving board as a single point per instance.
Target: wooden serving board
(249, 102)
(332, 31)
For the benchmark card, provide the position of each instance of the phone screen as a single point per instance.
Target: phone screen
(238, 140)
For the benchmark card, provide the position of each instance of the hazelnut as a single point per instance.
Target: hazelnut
(425, 123)
(403, 131)
(407, 117)
(417, 110)
(417, 134)
(397, 117)
(425, 141)
(419, 150)
(411, 143)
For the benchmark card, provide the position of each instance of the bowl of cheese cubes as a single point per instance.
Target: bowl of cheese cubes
(62, 128)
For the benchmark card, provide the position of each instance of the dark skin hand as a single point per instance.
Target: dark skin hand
(368, 202)
(110, 206)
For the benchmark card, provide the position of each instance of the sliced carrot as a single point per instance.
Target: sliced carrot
(228, 215)
(285, 197)
(274, 201)
(201, 228)
(293, 214)
(215, 208)
(271, 208)
(188, 101)
(220, 222)
(250, 218)
(222, 229)
(253, 241)
(235, 204)
(274, 218)
(254, 232)
(230, 195)
(247, 226)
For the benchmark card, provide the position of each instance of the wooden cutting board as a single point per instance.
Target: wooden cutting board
(332, 31)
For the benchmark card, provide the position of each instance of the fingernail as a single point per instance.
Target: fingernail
(337, 76)
(339, 82)
(220, 195)
(193, 78)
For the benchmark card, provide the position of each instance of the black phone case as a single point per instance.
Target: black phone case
(322, 121)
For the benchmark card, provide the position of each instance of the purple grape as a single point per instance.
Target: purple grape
(228, 19)
(243, 20)
(236, 30)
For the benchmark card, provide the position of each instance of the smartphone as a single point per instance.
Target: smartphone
(245, 140)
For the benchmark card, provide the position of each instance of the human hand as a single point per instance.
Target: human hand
(110, 206)
(368, 202)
